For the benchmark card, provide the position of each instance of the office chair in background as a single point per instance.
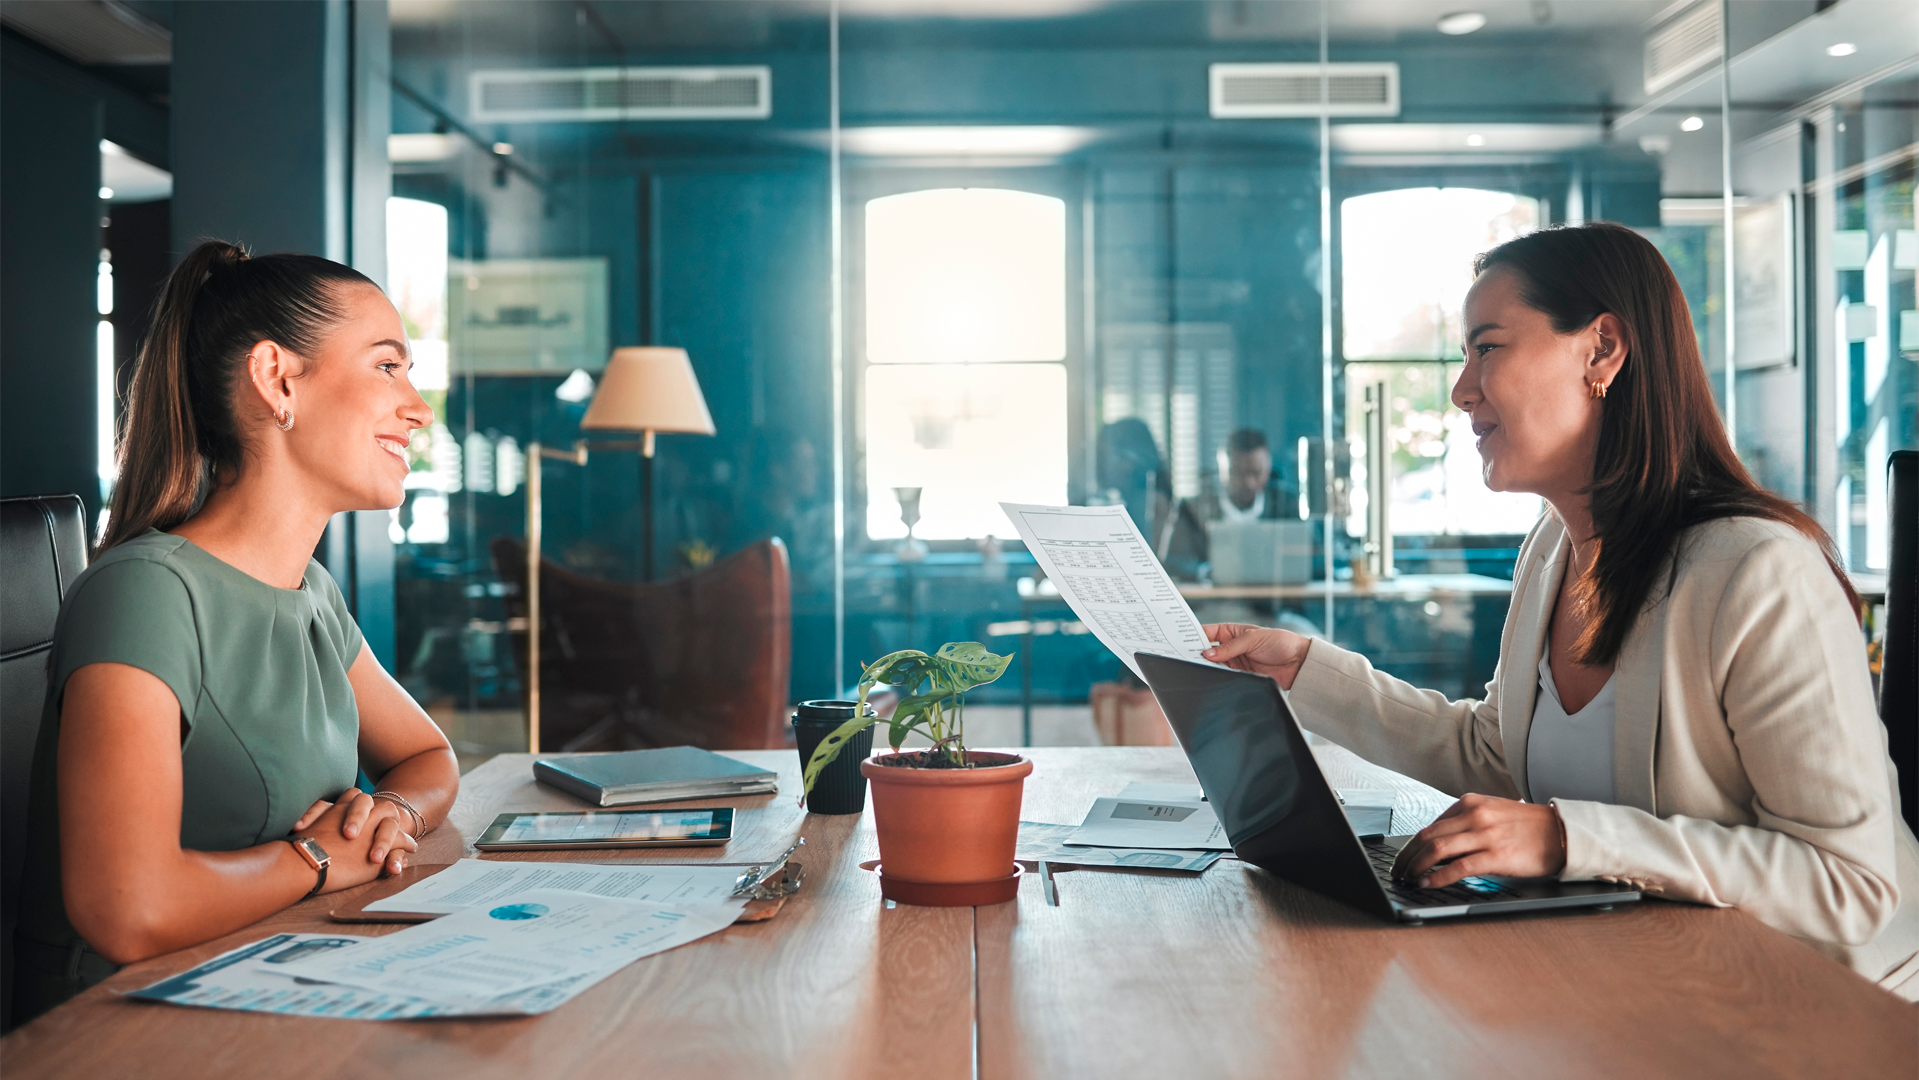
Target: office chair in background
(43, 547)
(1899, 670)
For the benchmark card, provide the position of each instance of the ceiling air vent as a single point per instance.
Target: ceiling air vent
(623, 93)
(1682, 46)
(1256, 91)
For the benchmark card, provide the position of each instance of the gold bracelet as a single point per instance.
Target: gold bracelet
(419, 821)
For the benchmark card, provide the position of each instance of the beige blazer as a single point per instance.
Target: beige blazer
(1748, 757)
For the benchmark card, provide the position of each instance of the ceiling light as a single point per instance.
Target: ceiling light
(1461, 22)
(421, 146)
(1844, 48)
(106, 193)
(1691, 123)
(1475, 139)
(1011, 141)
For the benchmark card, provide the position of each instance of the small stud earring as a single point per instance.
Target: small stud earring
(283, 420)
(1594, 389)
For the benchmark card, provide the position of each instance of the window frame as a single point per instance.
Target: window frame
(868, 179)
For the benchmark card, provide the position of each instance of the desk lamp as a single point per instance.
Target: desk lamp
(644, 389)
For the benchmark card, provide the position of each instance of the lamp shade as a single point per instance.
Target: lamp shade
(649, 388)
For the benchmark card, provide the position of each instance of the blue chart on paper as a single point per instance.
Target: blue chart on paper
(519, 911)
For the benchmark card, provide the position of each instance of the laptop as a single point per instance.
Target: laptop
(1260, 552)
(1280, 814)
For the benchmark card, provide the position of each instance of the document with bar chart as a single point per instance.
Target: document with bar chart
(1106, 571)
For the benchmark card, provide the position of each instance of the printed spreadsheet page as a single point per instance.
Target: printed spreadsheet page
(1107, 572)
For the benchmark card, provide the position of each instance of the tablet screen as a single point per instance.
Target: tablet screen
(609, 827)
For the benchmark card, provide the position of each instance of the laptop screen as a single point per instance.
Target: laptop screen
(1242, 747)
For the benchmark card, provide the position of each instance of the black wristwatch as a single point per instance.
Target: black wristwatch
(316, 857)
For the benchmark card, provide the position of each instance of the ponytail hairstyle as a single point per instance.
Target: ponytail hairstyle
(181, 438)
(1663, 463)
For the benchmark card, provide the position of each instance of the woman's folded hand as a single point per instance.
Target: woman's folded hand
(365, 836)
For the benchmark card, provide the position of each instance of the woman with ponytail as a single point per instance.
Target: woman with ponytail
(211, 702)
(1682, 701)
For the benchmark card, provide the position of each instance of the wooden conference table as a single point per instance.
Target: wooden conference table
(1137, 973)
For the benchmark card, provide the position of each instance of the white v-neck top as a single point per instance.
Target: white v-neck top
(1569, 757)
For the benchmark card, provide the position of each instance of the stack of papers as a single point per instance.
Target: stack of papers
(523, 957)
(473, 883)
(1052, 843)
(1177, 816)
(1153, 816)
(1369, 812)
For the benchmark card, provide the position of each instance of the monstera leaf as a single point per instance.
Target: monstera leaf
(934, 686)
(971, 664)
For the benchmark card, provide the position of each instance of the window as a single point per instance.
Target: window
(1407, 258)
(965, 388)
(416, 261)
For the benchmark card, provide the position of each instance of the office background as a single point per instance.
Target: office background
(1051, 250)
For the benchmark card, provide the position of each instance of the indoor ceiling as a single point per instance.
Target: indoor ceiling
(546, 27)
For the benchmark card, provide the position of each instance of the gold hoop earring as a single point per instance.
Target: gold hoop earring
(1594, 389)
(283, 420)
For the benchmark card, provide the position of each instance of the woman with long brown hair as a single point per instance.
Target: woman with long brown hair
(210, 701)
(1682, 701)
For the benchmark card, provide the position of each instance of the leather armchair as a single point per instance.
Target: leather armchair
(43, 548)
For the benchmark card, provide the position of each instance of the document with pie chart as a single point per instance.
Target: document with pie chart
(1106, 571)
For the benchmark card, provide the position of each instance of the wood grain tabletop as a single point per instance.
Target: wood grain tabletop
(1237, 973)
(1136, 973)
(835, 986)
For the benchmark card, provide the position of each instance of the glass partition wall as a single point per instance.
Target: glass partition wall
(1200, 259)
(570, 178)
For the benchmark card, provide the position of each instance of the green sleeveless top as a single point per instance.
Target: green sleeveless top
(270, 721)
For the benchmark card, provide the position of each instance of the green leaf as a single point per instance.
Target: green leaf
(905, 719)
(829, 747)
(969, 664)
(895, 668)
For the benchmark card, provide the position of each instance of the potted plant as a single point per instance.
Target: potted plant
(947, 816)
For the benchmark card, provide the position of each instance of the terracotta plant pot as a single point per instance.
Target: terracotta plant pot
(947, 826)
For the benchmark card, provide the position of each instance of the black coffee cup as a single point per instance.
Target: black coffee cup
(841, 787)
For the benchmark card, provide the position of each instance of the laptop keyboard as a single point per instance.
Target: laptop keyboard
(1472, 890)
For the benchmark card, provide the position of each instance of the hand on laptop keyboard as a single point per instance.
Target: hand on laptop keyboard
(1482, 834)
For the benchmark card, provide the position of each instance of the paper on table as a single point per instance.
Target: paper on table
(1368, 810)
(1142, 790)
(1038, 840)
(473, 882)
(1107, 572)
(1130, 823)
(253, 978)
(542, 936)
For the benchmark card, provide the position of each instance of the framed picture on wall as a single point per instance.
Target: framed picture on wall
(526, 316)
(1763, 300)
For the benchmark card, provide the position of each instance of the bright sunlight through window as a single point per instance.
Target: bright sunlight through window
(416, 235)
(965, 397)
(1408, 259)
(964, 276)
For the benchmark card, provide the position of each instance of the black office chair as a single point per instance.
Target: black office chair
(43, 547)
(1899, 668)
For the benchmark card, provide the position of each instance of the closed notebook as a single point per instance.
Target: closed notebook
(643, 776)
